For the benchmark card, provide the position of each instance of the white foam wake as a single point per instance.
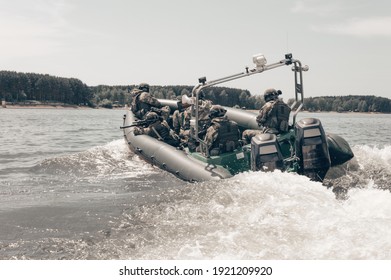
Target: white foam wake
(268, 216)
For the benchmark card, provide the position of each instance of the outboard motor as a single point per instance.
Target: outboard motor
(312, 149)
(265, 153)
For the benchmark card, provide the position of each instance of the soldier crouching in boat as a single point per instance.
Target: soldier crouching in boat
(181, 118)
(273, 117)
(181, 123)
(222, 135)
(158, 128)
(143, 102)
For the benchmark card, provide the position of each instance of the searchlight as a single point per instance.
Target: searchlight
(259, 61)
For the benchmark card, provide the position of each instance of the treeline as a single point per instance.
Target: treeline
(350, 103)
(26, 87)
(107, 96)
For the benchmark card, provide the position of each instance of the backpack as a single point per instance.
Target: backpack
(278, 117)
(228, 135)
(135, 101)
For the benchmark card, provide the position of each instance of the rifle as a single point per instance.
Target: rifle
(156, 110)
(143, 123)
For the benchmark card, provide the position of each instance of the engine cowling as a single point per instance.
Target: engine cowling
(312, 149)
(266, 153)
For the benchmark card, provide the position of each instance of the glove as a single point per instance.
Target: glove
(137, 131)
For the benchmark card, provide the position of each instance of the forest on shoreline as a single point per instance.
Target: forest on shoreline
(31, 88)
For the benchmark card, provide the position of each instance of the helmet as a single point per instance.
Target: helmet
(217, 111)
(271, 94)
(144, 87)
(151, 116)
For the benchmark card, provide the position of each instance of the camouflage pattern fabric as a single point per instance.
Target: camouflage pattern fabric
(142, 102)
(222, 135)
(145, 97)
(203, 109)
(248, 134)
(181, 121)
(274, 117)
(165, 112)
(264, 113)
(159, 130)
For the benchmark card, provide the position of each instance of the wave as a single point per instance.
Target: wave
(253, 215)
(370, 168)
(258, 216)
(112, 160)
(274, 215)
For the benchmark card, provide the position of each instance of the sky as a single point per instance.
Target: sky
(346, 44)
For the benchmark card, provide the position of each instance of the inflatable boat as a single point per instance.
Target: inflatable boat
(305, 148)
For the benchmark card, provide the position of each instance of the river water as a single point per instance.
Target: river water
(71, 189)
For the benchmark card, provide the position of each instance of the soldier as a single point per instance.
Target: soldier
(159, 129)
(181, 118)
(204, 108)
(181, 121)
(274, 115)
(143, 102)
(223, 135)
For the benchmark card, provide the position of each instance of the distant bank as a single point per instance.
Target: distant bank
(18, 88)
(6, 105)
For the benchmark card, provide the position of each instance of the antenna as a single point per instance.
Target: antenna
(287, 42)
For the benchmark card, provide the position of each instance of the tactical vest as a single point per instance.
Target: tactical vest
(278, 116)
(228, 135)
(138, 106)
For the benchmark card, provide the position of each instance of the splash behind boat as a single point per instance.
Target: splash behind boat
(305, 148)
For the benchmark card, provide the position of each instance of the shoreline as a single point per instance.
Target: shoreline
(47, 106)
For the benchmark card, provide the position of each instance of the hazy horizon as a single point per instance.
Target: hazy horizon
(175, 42)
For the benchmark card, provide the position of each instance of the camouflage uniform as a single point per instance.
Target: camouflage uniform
(160, 130)
(165, 112)
(248, 134)
(222, 136)
(274, 115)
(203, 112)
(181, 121)
(142, 102)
